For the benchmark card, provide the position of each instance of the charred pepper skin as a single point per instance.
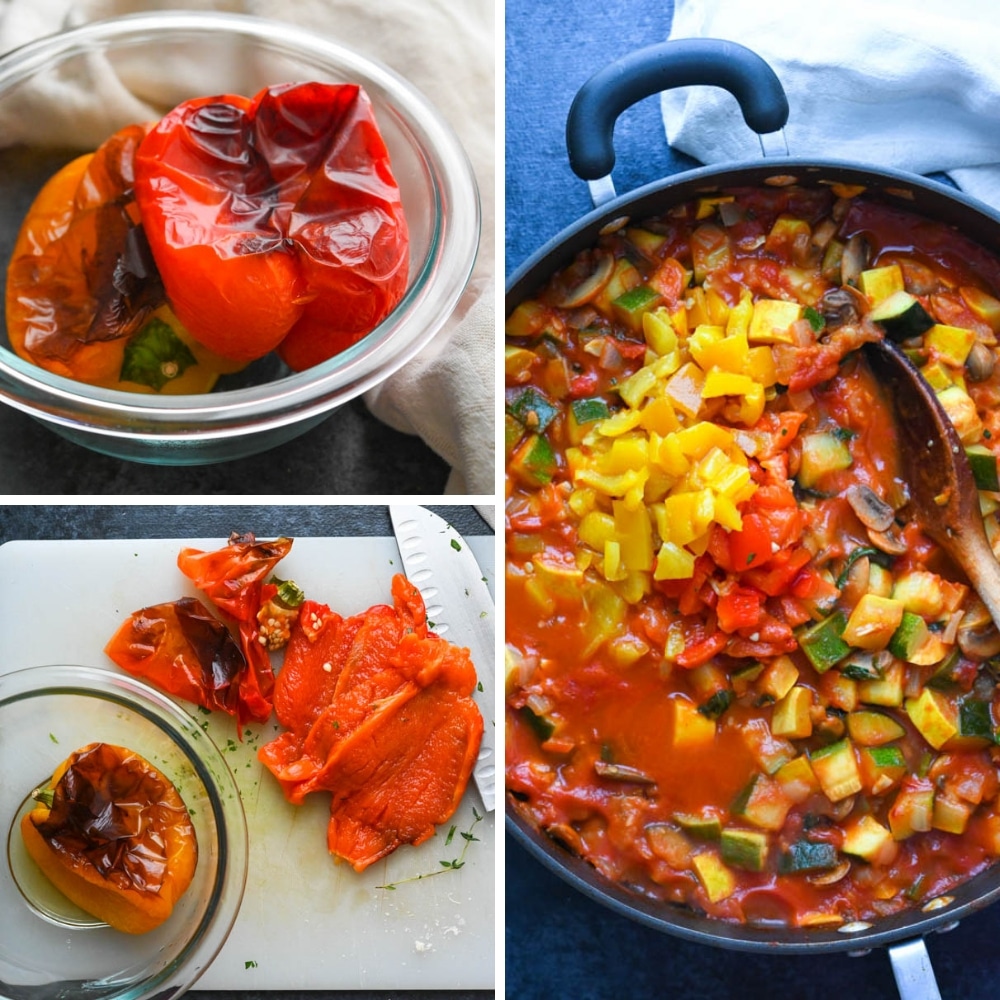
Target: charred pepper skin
(114, 836)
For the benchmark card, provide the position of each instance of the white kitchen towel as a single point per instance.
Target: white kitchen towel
(446, 49)
(913, 86)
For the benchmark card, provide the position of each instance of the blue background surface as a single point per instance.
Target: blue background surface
(558, 943)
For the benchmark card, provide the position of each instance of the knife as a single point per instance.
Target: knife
(439, 563)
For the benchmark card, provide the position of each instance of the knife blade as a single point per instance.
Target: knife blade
(439, 563)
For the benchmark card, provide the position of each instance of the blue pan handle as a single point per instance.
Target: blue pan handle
(678, 63)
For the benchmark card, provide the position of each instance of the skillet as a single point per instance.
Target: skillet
(590, 130)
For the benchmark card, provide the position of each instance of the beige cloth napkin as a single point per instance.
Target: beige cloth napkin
(446, 49)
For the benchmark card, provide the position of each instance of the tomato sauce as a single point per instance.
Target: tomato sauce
(739, 674)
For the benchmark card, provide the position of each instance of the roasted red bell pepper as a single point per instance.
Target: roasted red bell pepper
(275, 221)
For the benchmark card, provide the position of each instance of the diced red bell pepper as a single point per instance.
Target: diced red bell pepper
(740, 607)
(697, 653)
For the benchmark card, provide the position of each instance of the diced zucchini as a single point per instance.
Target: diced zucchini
(913, 810)
(769, 751)
(934, 715)
(745, 849)
(901, 316)
(540, 725)
(704, 827)
(951, 814)
(513, 431)
(533, 408)
(822, 642)
(743, 677)
(771, 320)
(887, 690)
(983, 463)
(822, 452)
(920, 592)
(630, 306)
(950, 343)
(836, 769)
(587, 411)
(861, 666)
(962, 412)
(527, 320)
(716, 879)
(534, 462)
(646, 242)
(909, 637)
(872, 729)
(691, 729)
(807, 856)
(948, 673)
(791, 716)
(839, 691)
(866, 838)
(879, 283)
(778, 678)
(975, 724)
(881, 768)
(797, 779)
(873, 622)
(762, 803)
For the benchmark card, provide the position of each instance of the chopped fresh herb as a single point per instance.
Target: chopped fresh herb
(815, 318)
(52, 736)
(447, 865)
(203, 710)
(456, 546)
(249, 964)
(844, 433)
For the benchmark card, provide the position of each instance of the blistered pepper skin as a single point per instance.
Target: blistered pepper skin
(275, 222)
(117, 839)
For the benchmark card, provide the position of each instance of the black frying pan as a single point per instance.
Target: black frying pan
(589, 137)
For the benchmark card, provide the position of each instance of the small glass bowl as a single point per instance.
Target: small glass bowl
(49, 948)
(155, 61)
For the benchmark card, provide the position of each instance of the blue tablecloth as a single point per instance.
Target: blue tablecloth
(558, 943)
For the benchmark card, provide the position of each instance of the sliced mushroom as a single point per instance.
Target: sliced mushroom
(978, 637)
(873, 512)
(843, 305)
(887, 541)
(564, 834)
(583, 280)
(855, 259)
(980, 363)
(831, 876)
(622, 772)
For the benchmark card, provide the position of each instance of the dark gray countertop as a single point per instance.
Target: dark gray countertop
(30, 521)
(350, 453)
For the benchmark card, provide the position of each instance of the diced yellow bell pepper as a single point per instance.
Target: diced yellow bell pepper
(673, 563)
(738, 322)
(613, 568)
(962, 412)
(727, 513)
(707, 206)
(717, 306)
(723, 383)
(659, 331)
(671, 458)
(751, 407)
(701, 342)
(634, 533)
(696, 441)
(630, 451)
(658, 416)
(684, 389)
(619, 423)
(760, 365)
(697, 308)
(637, 387)
(611, 486)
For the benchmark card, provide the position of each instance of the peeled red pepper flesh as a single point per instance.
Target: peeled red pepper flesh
(275, 222)
(377, 710)
(114, 836)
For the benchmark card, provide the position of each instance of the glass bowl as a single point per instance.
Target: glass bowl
(50, 949)
(154, 61)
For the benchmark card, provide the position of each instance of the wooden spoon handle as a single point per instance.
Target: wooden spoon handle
(983, 571)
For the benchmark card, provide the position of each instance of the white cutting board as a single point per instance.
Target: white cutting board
(306, 921)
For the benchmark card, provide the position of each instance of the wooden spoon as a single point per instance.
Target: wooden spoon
(942, 489)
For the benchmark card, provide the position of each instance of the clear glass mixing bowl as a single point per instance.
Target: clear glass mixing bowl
(158, 60)
(48, 948)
